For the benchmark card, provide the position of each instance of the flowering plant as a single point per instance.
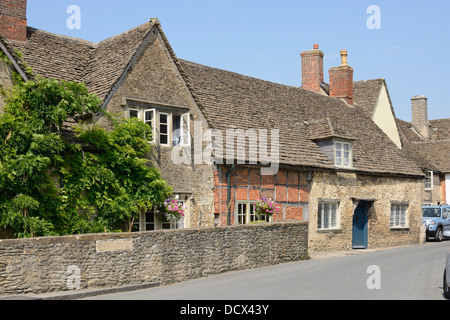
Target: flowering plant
(265, 206)
(171, 210)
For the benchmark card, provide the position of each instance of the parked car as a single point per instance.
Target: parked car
(447, 278)
(437, 221)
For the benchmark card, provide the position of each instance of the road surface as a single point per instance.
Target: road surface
(408, 273)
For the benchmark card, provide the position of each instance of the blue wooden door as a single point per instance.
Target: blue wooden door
(360, 234)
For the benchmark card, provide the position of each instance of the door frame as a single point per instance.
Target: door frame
(360, 236)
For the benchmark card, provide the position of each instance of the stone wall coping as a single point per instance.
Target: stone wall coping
(134, 235)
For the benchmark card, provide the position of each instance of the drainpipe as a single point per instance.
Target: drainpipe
(229, 194)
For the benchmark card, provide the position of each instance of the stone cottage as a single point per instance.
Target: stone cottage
(428, 143)
(224, 140)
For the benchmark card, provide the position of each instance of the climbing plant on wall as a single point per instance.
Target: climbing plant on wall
(95, 182)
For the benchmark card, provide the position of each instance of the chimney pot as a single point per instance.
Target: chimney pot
(344, 58)
(316, 46)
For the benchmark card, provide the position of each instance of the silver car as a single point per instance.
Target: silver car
(447, 278)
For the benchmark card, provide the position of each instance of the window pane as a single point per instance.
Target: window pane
(148, 116)
(133, 113)
(241, 213)
(346, 147)
(392, 215)
(163, 139)
(346, 161)
(334, 215)
(163, 118)
(163, 129)
(185, 129)
(320, 216)
(176, 134)
(326, 215)
(149, 217)
(403, 216)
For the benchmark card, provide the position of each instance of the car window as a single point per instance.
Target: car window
(431, 212)
(447, 212)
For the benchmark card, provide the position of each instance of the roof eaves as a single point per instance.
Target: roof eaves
(14, 58)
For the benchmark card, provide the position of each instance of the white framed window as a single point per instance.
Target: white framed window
(399, 215)
(168, 128)
(164, 128)
(246, 213)
(149, 118)
(181, 130)
(343, 154)
(328, 216)
(429, 180)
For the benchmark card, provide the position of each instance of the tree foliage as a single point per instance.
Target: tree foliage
(49, 186)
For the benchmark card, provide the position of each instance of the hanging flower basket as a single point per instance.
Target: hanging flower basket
(265, 207)
(171, 210)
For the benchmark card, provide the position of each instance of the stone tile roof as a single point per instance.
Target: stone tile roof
(432, 154)
(366, 93)
(228, 100)
(238, 101)
(98, 65)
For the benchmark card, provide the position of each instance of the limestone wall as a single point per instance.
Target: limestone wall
(51, 264)
(345, 188)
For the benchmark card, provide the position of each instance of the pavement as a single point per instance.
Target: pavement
(81, 294)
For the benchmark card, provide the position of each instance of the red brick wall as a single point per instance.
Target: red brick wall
(289, 189)
(341, 83)
(13, 19)
(312, 70)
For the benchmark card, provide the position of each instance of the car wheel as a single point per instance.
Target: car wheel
(439, 236)
(446, 287)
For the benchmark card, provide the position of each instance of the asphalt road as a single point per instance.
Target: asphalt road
(408, 273)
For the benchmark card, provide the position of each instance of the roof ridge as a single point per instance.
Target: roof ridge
(237, 73)
(112, 38)
(58, 36)
(281, 85)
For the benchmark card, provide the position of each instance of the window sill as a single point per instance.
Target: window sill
(337, 230)
(399, 228)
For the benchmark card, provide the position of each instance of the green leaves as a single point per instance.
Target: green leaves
(51, 187)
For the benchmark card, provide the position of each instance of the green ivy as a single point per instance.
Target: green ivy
(49, 186)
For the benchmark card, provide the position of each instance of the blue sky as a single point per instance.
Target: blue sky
(264, 39)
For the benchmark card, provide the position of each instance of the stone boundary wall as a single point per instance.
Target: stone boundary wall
(50, 264)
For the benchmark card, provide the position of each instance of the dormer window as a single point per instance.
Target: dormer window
(334, 140)
(343, 154)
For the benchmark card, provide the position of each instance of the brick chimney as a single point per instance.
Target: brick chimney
(341, 80)
(312, 69)
(13, 19)
(419, 108)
